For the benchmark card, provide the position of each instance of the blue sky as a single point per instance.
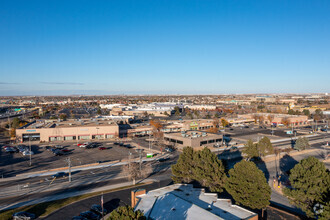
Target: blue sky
(63, 47)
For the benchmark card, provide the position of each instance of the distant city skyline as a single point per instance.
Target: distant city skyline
(126, 47)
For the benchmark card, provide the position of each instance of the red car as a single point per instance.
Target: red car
(102, 148)
(65, 150)
(79, 144)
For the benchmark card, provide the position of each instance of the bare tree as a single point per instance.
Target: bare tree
(137, 171)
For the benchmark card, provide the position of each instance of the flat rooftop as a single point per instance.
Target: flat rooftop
(70, 123)
(192, 134)
(182, 201)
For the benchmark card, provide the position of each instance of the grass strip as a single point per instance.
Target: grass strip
(46, 208)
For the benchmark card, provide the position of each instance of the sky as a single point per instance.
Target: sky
(87, 47)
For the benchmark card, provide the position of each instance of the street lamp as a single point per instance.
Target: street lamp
(30, 153)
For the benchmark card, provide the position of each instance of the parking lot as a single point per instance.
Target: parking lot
(255, 133)
(12, 164)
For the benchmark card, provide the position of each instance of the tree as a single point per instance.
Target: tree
(301, 144)
(310, 182)
(224, 122)
(270, 118)
(251, 150)
(209, 170)
(214, 128)
(126, 212)
(99, 111)
(63, 116)
(202, 166)
(285, 121)
(12, 132)
(306, 112)
(15, 123)
(265, 147)
(318, 115)
(196, 113)
(248, 185)
(182, 170)
(133, 171)
(177, 110)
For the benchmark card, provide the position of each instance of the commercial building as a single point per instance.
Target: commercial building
(72, 130)
(193, 139)
(277, 119)
(182, 201)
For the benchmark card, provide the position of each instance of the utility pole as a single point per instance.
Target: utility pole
(68, 160)
(140, 155)
(129, 160)
(30, 153)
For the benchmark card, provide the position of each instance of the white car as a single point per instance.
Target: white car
(27, 152)
(83, 145)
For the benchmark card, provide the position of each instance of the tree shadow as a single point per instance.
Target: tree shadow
(112, 204)
(262, 166)
(287, 163)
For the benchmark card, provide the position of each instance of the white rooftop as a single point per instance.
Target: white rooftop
(182, 201)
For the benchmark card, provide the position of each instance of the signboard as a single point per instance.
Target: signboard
(31, 130)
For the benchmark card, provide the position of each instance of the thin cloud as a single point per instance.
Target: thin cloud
(7, 83)
(62, 83)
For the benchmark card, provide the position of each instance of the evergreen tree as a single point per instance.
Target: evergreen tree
(301, 143)
(182, 170)
(15, 123)
(209, 170)
(265, 147)
(251, 150)
(310, 183)
(248, 185)
(126, 213)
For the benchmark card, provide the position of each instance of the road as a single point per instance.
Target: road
(14, 193)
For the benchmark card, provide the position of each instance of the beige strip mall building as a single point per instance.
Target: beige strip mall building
(49, 131)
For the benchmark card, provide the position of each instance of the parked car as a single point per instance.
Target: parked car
(22, 148)
(98, 209)
(23, 215)
(59, 175)
(48, 148)
(11, 150)
(90, 215)
(102, 148)
(65, 150)
(116, 143)
(121, 144)
(163, 159)
(27, 152)
(167, 149)
(59, 146)
(128, 146)
(82, 145)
